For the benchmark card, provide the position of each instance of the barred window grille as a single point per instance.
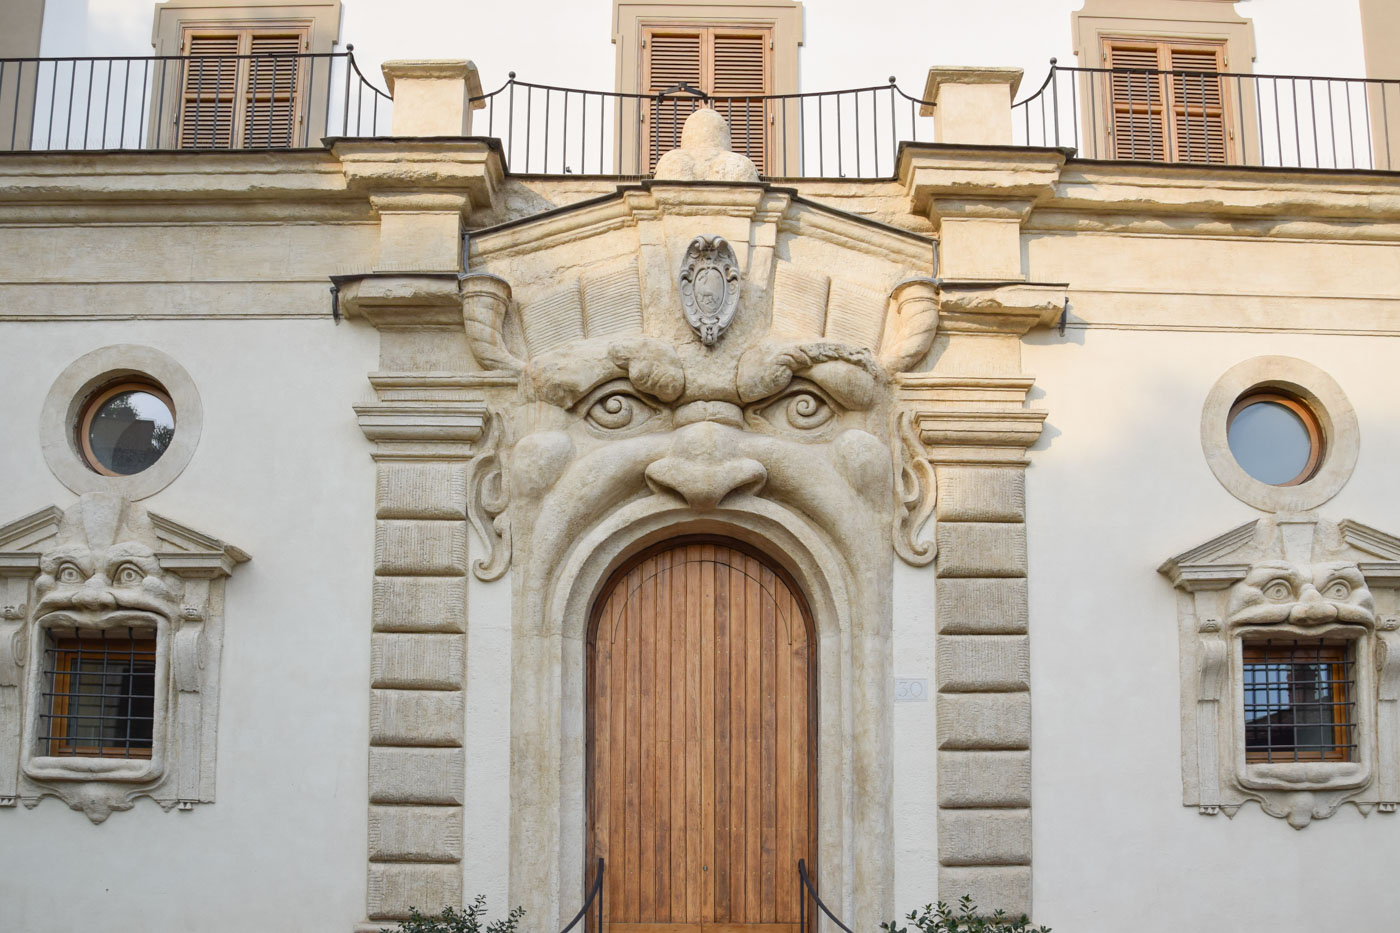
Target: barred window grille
(99, 694)
(1299, 700)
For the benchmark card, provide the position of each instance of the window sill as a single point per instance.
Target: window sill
(56, 768)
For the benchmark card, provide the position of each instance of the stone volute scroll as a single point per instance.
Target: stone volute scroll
(709, 286)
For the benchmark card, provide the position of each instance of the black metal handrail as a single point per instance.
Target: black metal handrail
(806, 884)
(595, 892)
(262, 101)
(850, 133)
(1204, 117)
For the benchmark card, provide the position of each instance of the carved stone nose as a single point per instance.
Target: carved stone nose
(697, 469)
(1312, 607)
(93, 598)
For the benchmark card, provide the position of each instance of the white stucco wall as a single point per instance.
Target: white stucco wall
(282, 472)
(1117, 484)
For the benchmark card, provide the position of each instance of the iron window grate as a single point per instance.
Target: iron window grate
(1299, 700)
(99, 696)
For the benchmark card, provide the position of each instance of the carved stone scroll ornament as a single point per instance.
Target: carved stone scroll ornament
(709, 281)
(916, 491)
(487, 499)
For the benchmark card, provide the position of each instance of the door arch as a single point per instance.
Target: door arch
(701, 776)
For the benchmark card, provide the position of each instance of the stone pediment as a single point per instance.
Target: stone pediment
(1226, 559)
(177, 547)
(608, 268)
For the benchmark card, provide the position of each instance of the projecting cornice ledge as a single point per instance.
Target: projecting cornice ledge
(933, 172)
(471, 167)
(981, 307)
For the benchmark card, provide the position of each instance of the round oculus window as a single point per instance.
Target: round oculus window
(126, 427)
(1275, 438)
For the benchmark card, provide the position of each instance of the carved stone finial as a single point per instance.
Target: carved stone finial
(709, 281)
(705, 154)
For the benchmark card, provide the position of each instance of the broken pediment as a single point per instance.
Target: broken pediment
(611, 269)
(1226, 559)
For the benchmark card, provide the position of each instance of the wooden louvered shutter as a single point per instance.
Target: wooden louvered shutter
(1167, 117)
(672, 58)
(1136, 100)
(741, 71)
(1198, 106)
(209, 92)
(270, 101)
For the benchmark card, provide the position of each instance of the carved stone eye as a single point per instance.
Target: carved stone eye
(69, 573)
(618, 410)
(1337, 589)
(1279, 590)
(128, 575)
(803, 409)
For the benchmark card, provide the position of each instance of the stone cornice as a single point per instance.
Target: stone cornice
(176, 186)
(962, 175)
(393, 299)
(978, 307)
(1147, 190)
(471, 167)
(971, 419)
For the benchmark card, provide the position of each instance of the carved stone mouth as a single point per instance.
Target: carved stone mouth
(61, 617)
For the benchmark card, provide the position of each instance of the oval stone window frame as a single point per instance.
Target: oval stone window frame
(75, 386)
(1309, 386)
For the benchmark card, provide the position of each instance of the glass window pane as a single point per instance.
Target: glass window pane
(130, 431)
(1270, 442)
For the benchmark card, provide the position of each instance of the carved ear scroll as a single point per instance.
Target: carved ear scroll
(913, 322)
(916, 489)
(485, 299)
(487, 499)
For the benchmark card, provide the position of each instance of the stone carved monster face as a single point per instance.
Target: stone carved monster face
(606, 422)
(1324, 593)
(99, 575)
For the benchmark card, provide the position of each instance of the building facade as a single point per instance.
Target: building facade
(460, 484)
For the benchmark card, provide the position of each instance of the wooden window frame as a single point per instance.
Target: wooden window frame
(1173, 98)
(1317, 440)
(83, 424)
(244, 73)
(1339, 656)
(65, 653)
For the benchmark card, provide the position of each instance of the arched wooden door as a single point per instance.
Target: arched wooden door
(701, 742)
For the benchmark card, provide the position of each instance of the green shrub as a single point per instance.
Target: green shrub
(943, 919)
(470, 919)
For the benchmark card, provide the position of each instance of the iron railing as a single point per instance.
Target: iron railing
(1228, 118)
(806, 890)
(852, 133)
(594, 893)
(275, 101)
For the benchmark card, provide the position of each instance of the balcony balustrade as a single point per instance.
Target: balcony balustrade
(296, 101)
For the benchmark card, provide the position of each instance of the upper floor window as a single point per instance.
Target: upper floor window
(730, 65)
(242, 88)
(677, 55)
(1167, 99)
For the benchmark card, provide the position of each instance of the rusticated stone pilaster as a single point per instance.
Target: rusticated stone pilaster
(417, 703)
(983, 678)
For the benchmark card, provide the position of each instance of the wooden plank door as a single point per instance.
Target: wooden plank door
(702, 759)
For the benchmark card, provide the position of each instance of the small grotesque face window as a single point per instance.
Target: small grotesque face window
(99, 696)
(126, 427)
(1275, 438)
(1299, 700)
